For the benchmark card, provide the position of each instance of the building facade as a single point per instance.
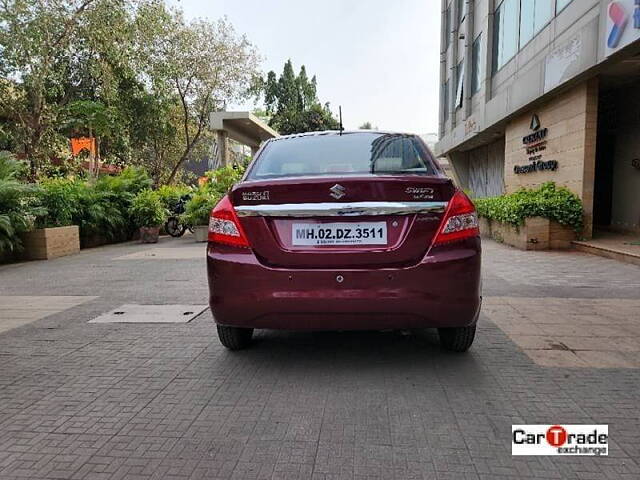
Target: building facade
(545, 90)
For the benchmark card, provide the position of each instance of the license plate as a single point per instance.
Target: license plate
(367, 233)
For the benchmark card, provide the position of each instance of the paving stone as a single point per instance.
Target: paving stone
(83, 401)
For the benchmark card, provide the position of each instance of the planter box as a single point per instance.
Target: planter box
(149, 234)
(201, 233)
(537, 233)
(93, 241)
(9, 257)
(47, 243)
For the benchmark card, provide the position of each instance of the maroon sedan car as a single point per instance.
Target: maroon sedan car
(352, 231)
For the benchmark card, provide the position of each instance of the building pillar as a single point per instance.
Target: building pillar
(455, 42)
(590, 140)
(468, 57)
(459, 162)
(222, 139)
(254, 151)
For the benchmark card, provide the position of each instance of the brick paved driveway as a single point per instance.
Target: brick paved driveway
(111, 401)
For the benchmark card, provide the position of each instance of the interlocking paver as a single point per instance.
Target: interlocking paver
(81, 401)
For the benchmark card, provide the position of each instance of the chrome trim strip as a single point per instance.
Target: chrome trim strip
(350, 209)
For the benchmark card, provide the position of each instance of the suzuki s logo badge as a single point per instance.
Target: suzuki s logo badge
(338, 191)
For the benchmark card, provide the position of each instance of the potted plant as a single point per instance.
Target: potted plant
(148, 214)
(197, 212)
(198, 208)
(57, 231)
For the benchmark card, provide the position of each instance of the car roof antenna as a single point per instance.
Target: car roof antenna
(341, 127)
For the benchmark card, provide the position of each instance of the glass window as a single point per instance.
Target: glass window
(349, 153)
(543, 13)
(560, 4)
(459, 83)
(534, 15)
(505, 30)
(476, 64)
(527, 9)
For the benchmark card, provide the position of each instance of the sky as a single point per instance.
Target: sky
(379, 59)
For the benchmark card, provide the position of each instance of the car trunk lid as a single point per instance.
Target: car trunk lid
(342, 222)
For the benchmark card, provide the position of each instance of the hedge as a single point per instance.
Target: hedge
(547, 201)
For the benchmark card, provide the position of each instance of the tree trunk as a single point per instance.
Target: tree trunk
(175, 169)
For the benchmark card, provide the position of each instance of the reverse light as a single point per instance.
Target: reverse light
(224, 226)
(459, 222)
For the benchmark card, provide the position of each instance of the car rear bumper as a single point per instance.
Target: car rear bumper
(441, 291)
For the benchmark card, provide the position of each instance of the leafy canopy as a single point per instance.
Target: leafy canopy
(135, 74)
(292, 103)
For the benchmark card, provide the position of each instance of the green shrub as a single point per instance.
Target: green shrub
(60, 199)
(548, 201)
(99, 215)
(18, 203)
(219, 182)
(100, 207)
(118, 193)
(170, 195)
(78, 202)
(198, 208)
(130, 182)
(147, 210)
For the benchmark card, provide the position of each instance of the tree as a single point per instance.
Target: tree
(36, 40)
(133, 73)
(366, 126)
(202, 64)
(291, 102)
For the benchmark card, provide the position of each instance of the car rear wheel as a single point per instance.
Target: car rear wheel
(235, 338)
(457, 339)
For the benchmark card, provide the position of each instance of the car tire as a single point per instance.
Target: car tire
(457, 339)
(235, 338)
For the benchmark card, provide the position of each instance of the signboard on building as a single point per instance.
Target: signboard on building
(622, 24)
(535, 144)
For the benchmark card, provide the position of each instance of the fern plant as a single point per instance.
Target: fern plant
(219, 182)
(18, 208)
(147, 209)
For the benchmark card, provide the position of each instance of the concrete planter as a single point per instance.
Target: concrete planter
(149, 234)
(9, 257)
(537, 233)
(201, 233)
(47, 243)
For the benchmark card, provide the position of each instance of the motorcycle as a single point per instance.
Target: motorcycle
(174, 226)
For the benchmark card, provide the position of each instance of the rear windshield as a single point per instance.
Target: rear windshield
(350, 153)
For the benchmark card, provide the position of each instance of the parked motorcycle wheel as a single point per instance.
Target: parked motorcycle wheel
(174, 228)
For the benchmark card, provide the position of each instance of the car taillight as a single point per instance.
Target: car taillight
(224, 226)
(459, 222)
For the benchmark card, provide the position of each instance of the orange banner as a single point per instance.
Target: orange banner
(83, 143)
